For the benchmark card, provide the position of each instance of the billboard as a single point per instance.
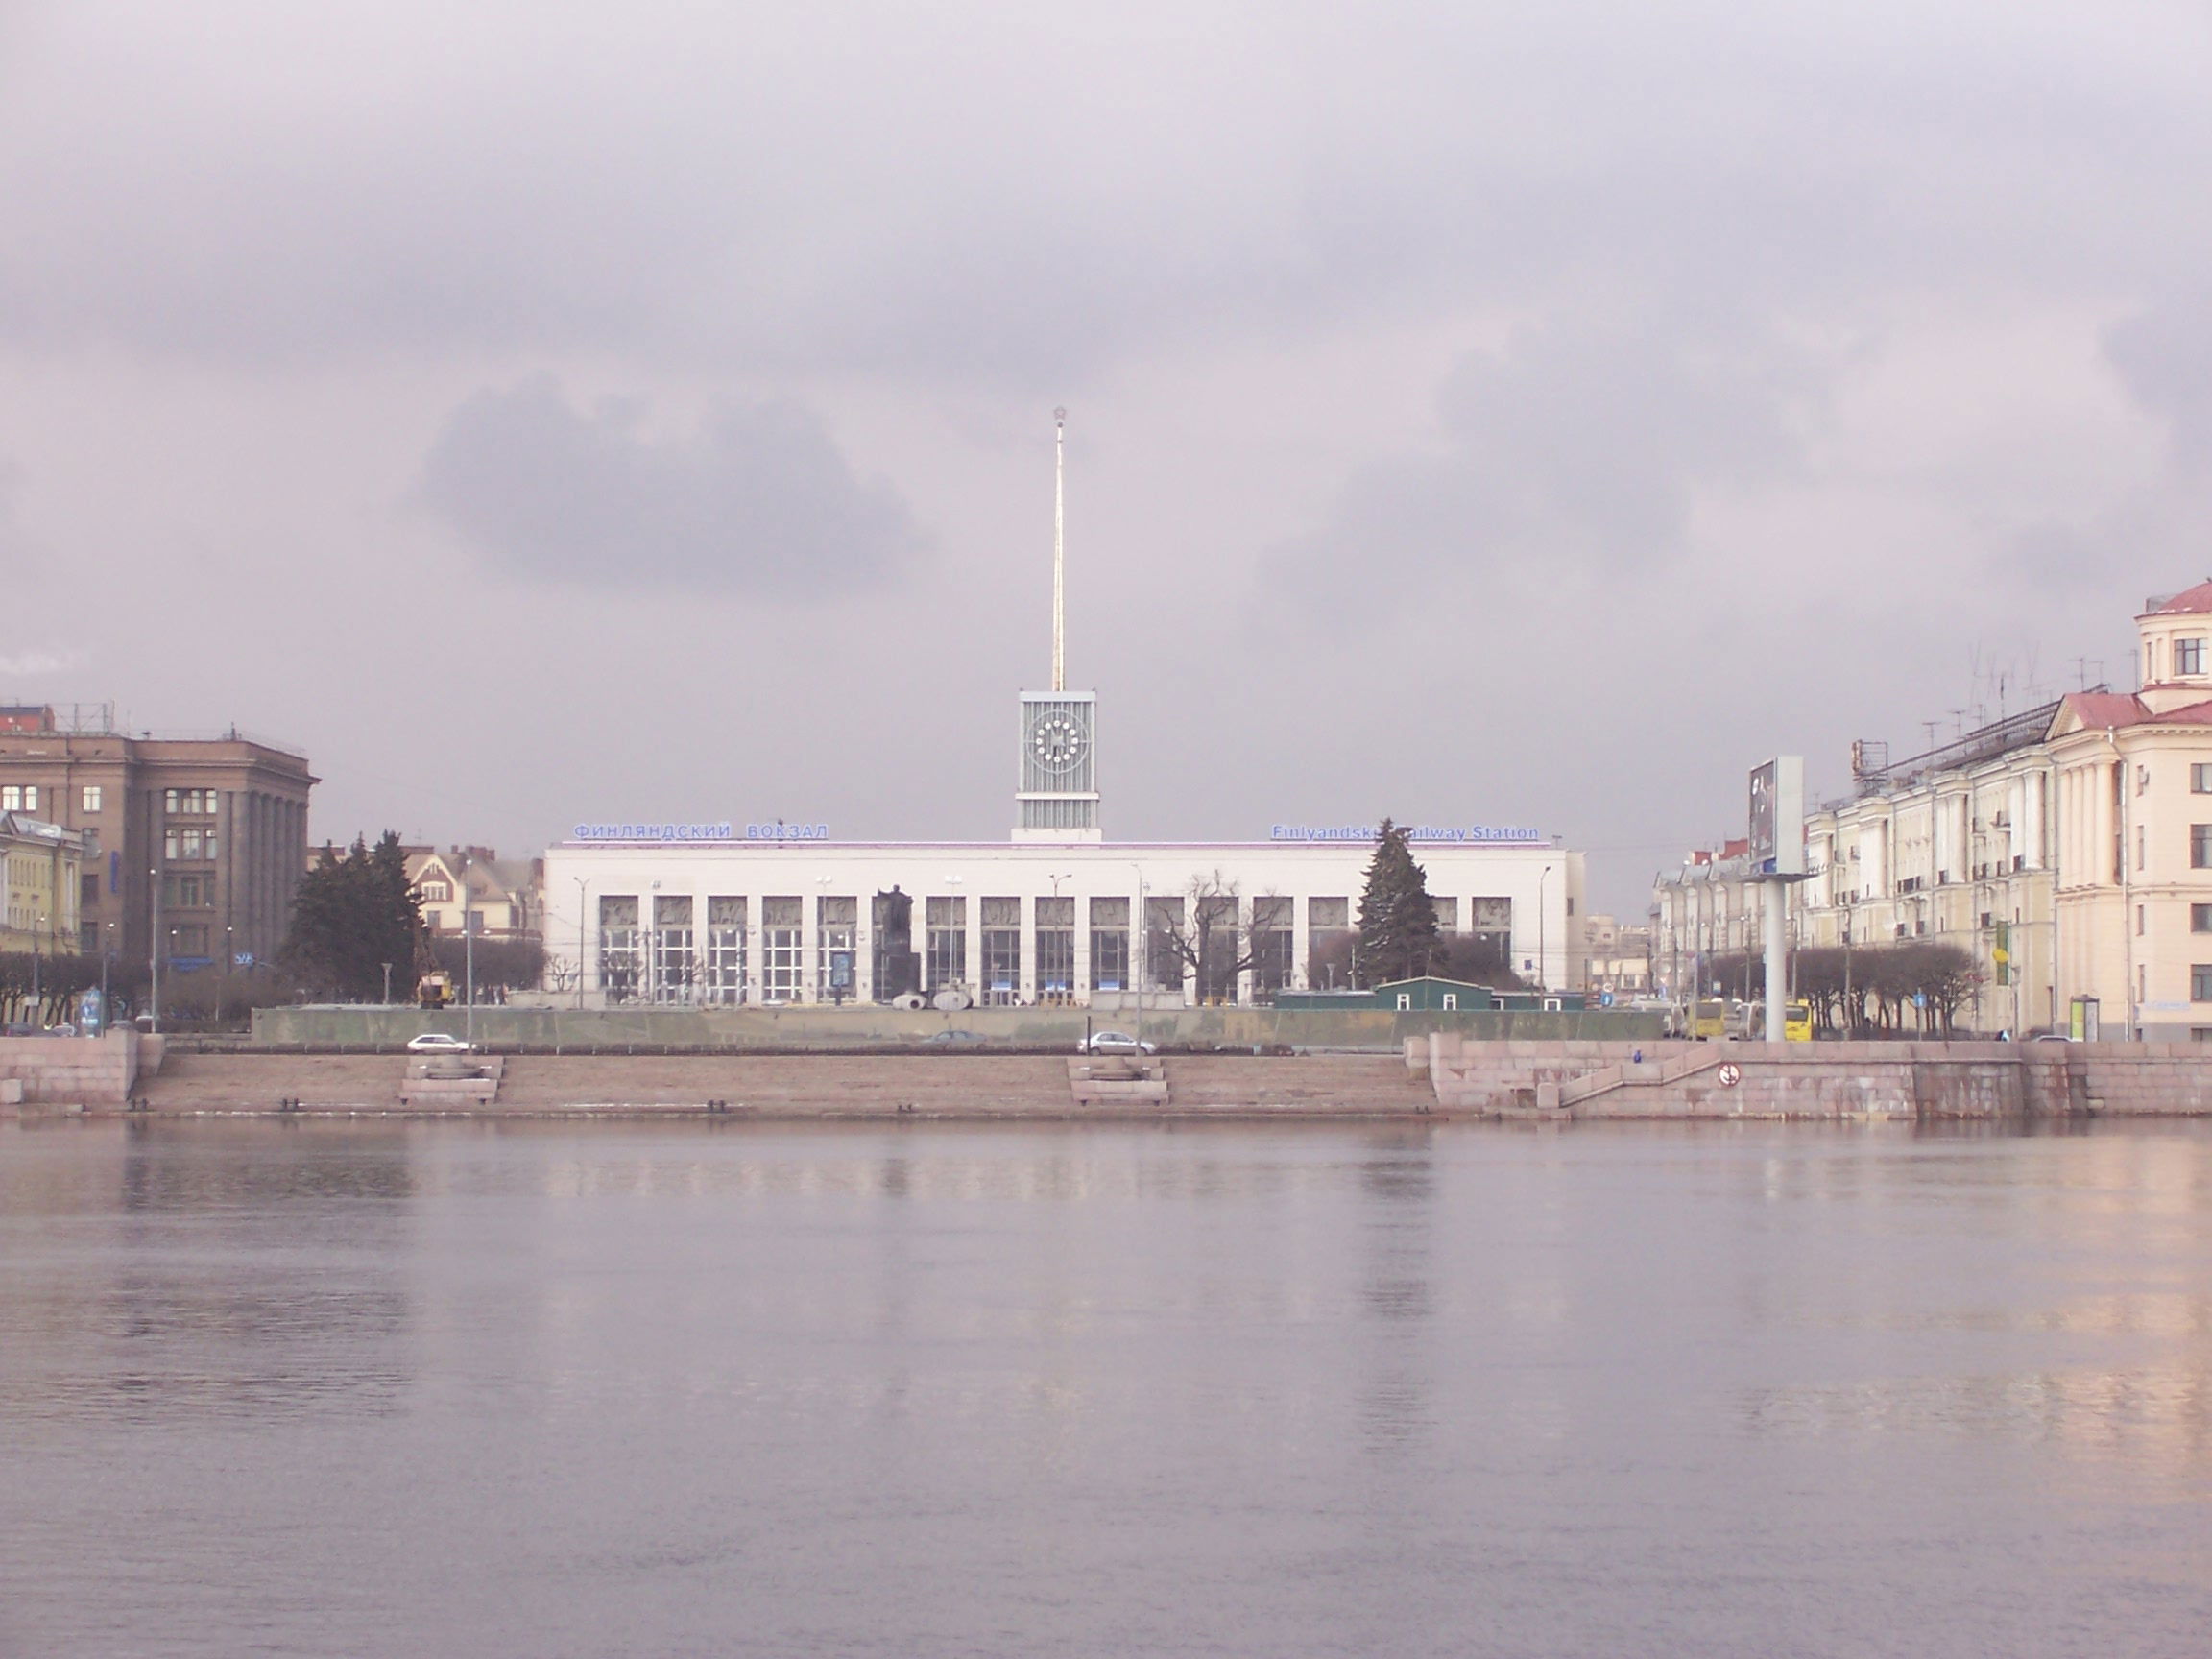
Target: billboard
(1778, 816)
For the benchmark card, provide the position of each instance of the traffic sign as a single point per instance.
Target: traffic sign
(1731, 1074)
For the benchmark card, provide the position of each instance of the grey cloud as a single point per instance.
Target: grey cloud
(1054, 191)
(1577, 448)
(2163, 355)
(761, 501)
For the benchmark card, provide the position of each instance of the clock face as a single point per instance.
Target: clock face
(1057, 743)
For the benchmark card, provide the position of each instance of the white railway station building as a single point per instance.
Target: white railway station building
(725, 914)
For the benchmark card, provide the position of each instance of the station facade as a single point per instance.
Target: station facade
(691, 921)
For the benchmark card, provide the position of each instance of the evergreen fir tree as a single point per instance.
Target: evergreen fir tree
(1398, 933)
(352, 915)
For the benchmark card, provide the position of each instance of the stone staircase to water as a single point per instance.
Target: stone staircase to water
(455, 1080)
(1117, 1080)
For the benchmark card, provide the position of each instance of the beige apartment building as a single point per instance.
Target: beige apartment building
(39, 885)
(2135, 829)
(193, 844)
(2068, 848)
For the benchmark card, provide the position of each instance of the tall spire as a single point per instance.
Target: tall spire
(1059, 499)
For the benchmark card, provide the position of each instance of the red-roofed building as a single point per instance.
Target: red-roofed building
(2133, 779)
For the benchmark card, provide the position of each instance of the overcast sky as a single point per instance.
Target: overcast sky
(1478, 413)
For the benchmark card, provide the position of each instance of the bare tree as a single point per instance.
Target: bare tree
(1209, 939)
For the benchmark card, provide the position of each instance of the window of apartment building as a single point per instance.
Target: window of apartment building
(782, 948)
(836, 948)
(188, 941)
(673, 959)
(2141, 919)
(618, 946)
(2200, 846)
(436, 892)
(2142, 779)
(2200, 779)
(189, 803)
(92, 843)
(724, 980)
(2188, 656)
(2201, 982)
(2201, 918)
(1056, 950)
(188, 892)
(2142, 847)
(1002, 951)
(1109, 944)
(188, 845)
(18, 796)
(1271, 942)
(944, 952)
(89, 798)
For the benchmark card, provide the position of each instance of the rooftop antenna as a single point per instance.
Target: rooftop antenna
(1059, 547)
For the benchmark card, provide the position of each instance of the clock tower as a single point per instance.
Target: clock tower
(1057, 795)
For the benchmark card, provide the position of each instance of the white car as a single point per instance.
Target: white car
(1114, 1043)
(439, 1042)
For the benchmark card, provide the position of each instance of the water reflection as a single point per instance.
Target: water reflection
(618, 1388)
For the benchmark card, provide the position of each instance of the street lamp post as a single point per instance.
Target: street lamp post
(35, 998)
(582, 947)
(1543, 969)
(468, 947)
(154, 949)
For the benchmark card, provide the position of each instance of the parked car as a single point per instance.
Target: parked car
(439, 1042)
(952, 1037)
(1114, 1043)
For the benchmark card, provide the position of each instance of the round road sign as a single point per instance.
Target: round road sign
(1731, 1074)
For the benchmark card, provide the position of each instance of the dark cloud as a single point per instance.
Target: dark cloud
(759, 500)
(1575, 450)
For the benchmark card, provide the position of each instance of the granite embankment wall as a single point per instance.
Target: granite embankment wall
(1556, 1081)
(866, 1025)
(1825, 1080)
(792, 1086)
(73, 1071)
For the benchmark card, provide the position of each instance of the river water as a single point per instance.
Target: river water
(737, 1389)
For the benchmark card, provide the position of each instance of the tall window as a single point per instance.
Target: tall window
(618, 946)
(90, 796)
(2200, 846)
(2200, 779)
(1109, 945)
(724, 980)
(2188, 656)
(1163, 933)
(2201, 982)
(898, 970)
(1272, 943)
(1328, 942)
(672, 953)
(1002, 952)
(836, 937)
(782, 948)
(1056, 950)
(945, 956)
(2201, 918)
